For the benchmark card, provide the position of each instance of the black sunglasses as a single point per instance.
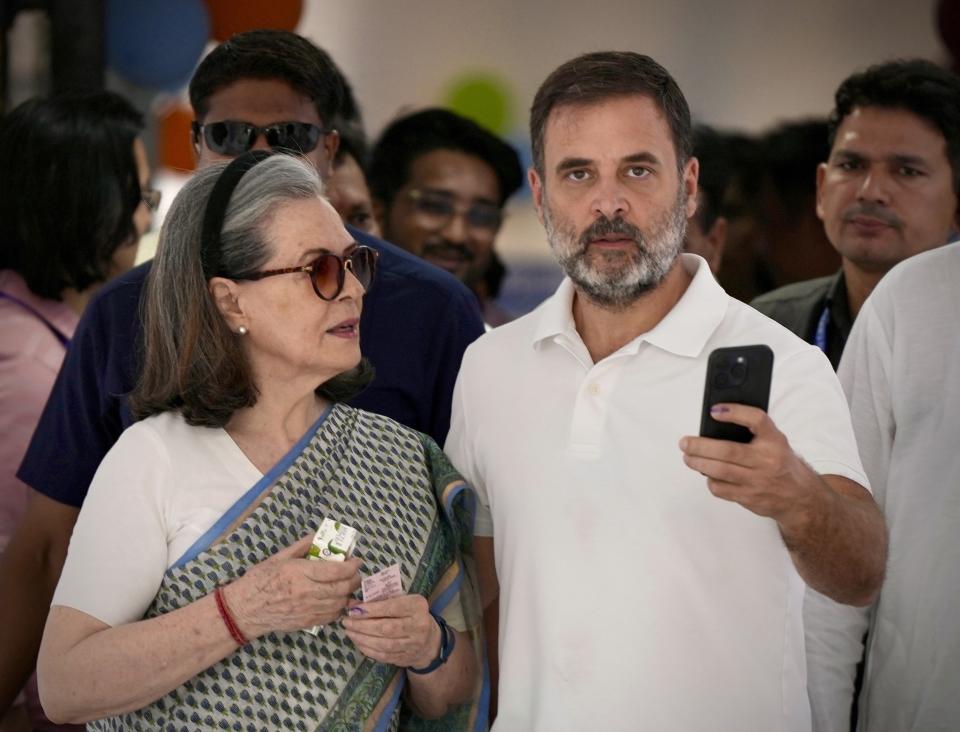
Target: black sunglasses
(232, 137)
(328, 271)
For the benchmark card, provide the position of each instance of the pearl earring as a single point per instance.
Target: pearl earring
(242, 330)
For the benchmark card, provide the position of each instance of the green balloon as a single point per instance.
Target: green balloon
(484, 98)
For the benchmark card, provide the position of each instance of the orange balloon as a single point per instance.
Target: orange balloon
(228, 17)
(174, 147)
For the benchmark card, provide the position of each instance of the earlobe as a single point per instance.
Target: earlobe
(821, 174)
(331, 143)
(536, 188)
(195, 138)
(690, 175)
(226, 297)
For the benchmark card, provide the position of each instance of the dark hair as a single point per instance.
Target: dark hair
(68, 190)
(349, 123)
(716, 171)
(916, 85)
(791, 153)
(595, 77)
(192, 361)
(415, 135)
(353, 143)
(270, 54)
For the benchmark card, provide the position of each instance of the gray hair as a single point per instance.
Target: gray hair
(192, 361)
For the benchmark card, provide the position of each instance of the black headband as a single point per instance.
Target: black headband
(217, 208)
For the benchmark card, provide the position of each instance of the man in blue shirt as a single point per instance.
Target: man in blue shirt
(262, 89)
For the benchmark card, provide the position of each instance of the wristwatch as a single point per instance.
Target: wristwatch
(448, 639)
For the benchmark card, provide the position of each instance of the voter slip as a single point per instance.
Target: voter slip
(383, 585)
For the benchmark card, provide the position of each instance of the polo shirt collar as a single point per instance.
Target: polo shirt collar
(688, 326)
(684, 331)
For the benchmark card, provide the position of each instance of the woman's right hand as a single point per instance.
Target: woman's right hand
(289, 592)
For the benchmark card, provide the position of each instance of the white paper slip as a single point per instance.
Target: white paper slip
(383, 585)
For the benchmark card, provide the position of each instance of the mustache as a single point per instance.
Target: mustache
(444, 249)
(873, 211)
(605, 227)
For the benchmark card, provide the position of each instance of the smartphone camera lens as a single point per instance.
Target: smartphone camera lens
(721, 380)
(738, 371)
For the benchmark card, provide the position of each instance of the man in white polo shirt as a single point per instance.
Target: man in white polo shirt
(646, 578)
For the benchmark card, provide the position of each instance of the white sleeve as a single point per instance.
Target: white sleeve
(834, 632)
(865, 375)
(833, 636)
(458, 448)
(808, 406)
(118, 551)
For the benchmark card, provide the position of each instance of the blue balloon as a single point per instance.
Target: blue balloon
(156, 43)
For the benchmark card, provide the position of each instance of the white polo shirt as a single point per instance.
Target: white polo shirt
(631, 597)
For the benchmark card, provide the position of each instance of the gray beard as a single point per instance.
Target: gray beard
(622, 277)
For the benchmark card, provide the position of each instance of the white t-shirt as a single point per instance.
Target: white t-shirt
(631, 597)
(158, 490)
(901, 372)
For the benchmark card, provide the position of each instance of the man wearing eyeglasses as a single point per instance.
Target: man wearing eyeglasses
(262, 89)
(439, 183)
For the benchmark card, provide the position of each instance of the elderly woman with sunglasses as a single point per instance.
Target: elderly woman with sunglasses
(186, 594)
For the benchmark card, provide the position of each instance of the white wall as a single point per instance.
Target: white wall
(742, 64)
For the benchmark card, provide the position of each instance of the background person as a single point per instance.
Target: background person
(439, 184)
(347, 188)
(74, 201)
(900, 370)
(707, 229)
(887, 191)
(260, 89)
(186, 587)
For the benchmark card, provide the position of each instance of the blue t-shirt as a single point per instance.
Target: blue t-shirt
(417, 321)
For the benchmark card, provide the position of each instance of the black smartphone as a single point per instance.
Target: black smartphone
(738, 375)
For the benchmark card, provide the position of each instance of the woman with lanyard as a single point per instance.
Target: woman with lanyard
(73, 205)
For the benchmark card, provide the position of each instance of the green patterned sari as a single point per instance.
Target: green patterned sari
(411, 508)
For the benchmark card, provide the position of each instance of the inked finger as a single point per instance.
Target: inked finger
(753, 418)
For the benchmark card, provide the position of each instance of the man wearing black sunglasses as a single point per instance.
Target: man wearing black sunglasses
(439, 183)
(262, 89)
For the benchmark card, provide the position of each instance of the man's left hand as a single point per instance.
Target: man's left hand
(765, 475)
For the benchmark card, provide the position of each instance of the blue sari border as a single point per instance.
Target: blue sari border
(387, 715)
(482, 724)
(444, 598)
(460, 489)
(243, 503)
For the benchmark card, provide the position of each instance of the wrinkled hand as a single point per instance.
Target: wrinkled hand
(765, 476)
(288, 592)
(399, 631)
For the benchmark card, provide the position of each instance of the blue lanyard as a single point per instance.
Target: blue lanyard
(64, 341)
(820, 335)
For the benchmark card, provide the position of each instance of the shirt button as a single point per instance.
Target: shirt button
(594, 389)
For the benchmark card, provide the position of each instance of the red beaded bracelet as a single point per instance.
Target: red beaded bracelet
(228, 618)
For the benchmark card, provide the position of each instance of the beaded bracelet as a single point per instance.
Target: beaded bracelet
(228, 620)
(448, 640)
